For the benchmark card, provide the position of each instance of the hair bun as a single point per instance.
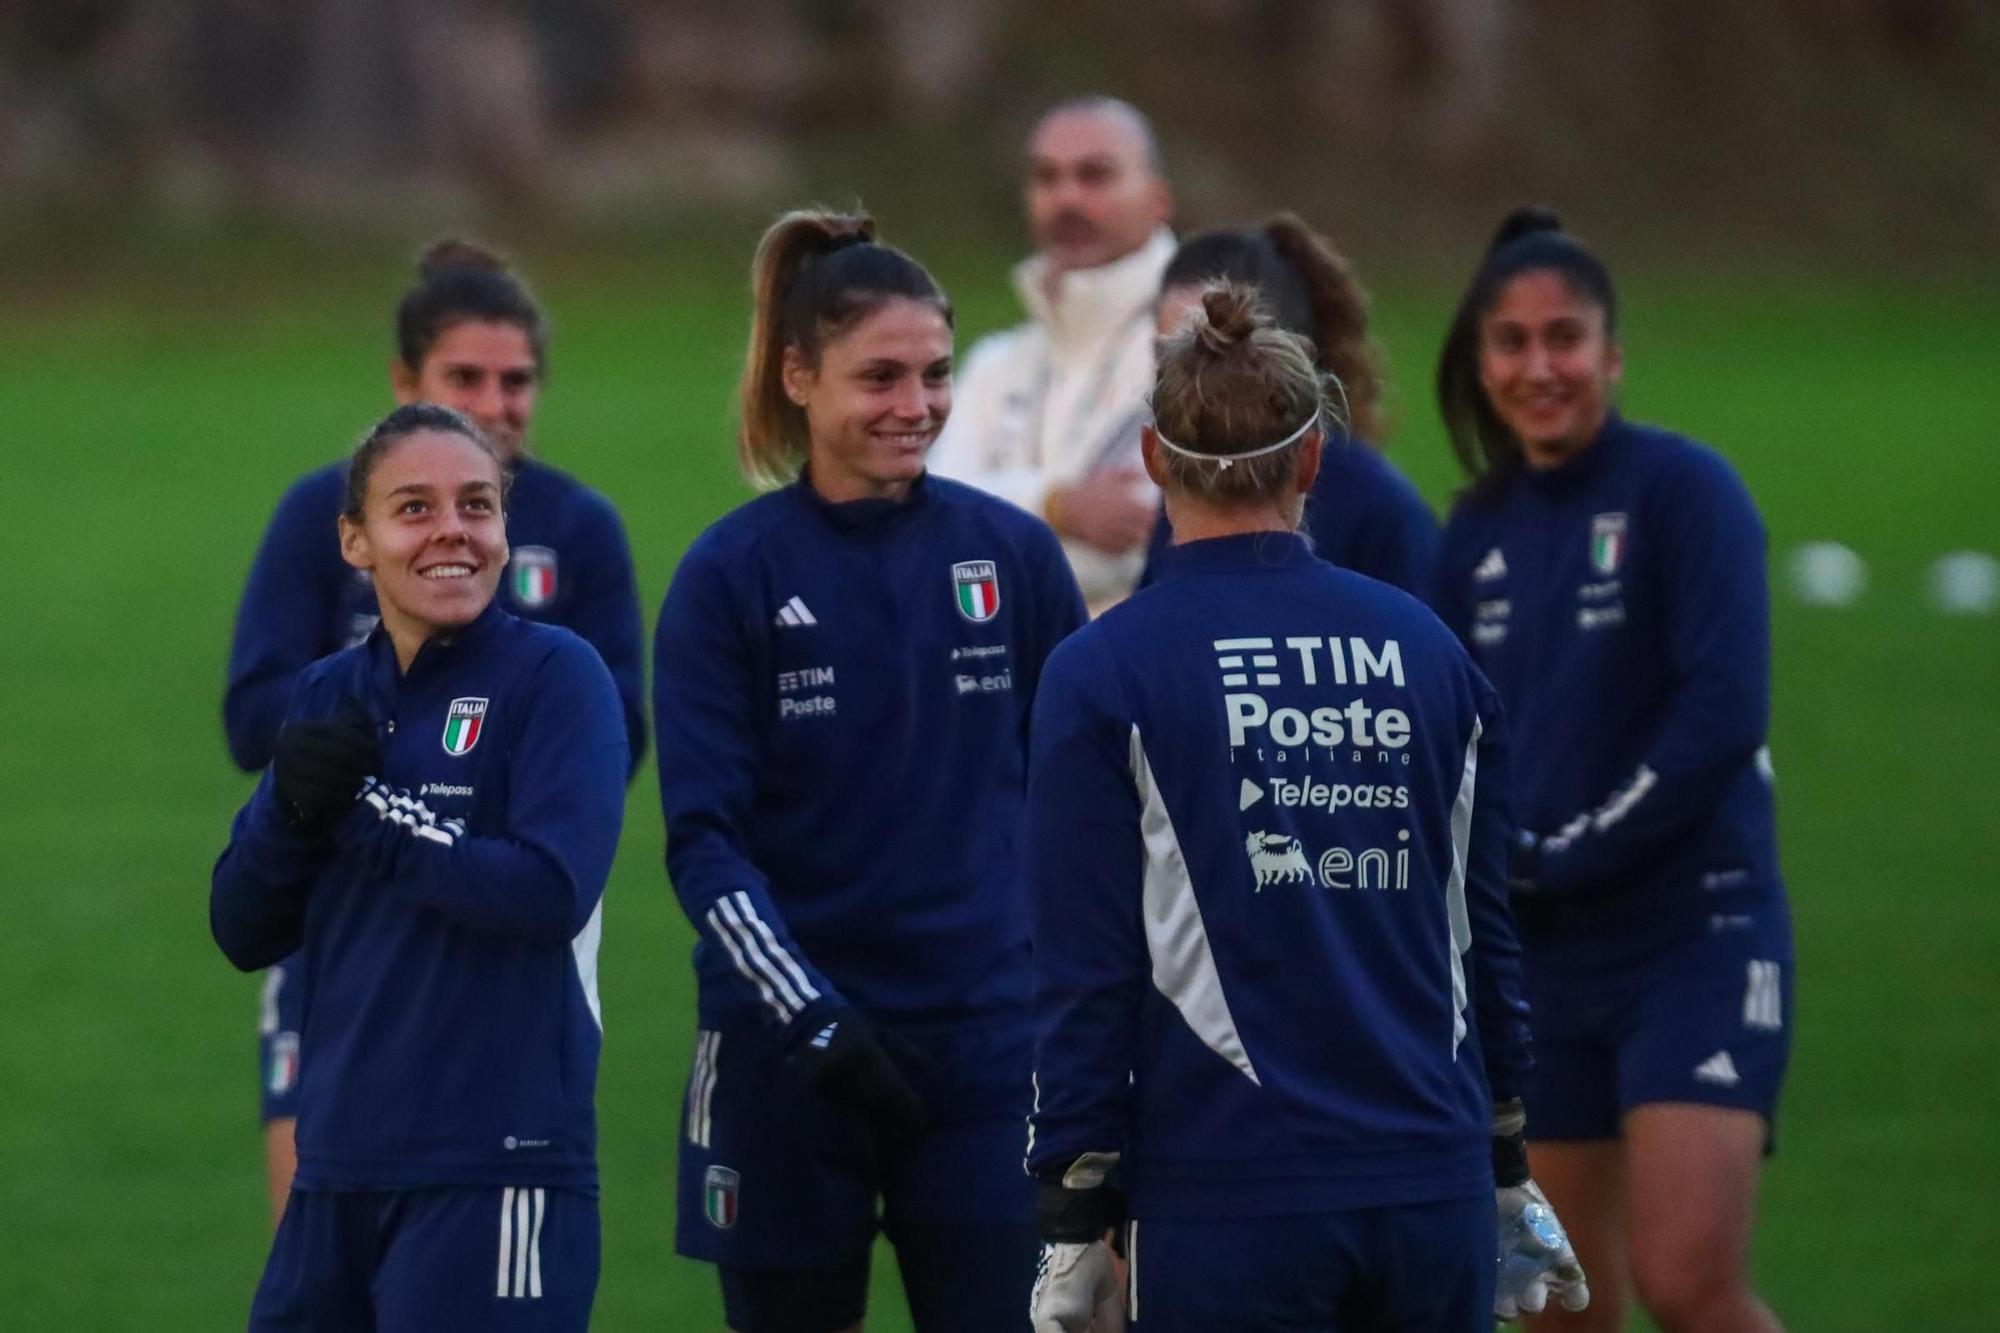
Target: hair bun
(1229, 315)
(856, 229)
(455, 252)
(1524, 222)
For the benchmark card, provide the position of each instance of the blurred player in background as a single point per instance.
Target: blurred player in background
(1362, 514)
(1282, 1047)
(431, 842)
(843, 672)
(471, 336)
(1609, 578)
(1049, 412)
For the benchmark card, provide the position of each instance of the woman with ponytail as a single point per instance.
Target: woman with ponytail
(1362, 514)
(1609, 579)
(470, 336)
(843, 673)
(1280, 1037)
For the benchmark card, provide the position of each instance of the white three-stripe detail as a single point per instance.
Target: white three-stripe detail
(722, 932)
(770, 942)
(752, 947)
(520, 1271)
(701, 1089)
(1763, 1001)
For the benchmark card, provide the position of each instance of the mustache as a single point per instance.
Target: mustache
(1069, 220)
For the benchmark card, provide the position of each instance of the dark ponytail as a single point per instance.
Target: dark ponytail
(816, 275)
(1528, 240)
(459, 281)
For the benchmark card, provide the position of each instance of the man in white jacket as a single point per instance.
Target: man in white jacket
(1047, 414)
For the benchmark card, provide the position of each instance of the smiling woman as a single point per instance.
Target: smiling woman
(1608, 577)
(432, 839)
(843, 671)
(425, 519)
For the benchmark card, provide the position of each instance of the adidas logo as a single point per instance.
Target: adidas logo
(1718, 1069)
(824, 1038)
(1494, 566)
(794, 613)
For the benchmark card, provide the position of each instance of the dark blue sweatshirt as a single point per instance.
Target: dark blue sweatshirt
(1361, 514)
(1267, 843)
(570, 567)
(842, 696)
(450, 923)
(1618, 604)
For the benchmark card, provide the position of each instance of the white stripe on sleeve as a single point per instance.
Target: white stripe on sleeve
(1458, 918)
(771, 946)
(754, 951)
(722, 932)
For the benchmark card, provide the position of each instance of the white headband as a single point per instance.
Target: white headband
(1223, 461)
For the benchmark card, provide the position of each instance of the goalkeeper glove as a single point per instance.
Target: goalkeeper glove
(1076, 1280)
(846, 1060)
(1536, 1260)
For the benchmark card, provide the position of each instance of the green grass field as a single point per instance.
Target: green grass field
(148, 439)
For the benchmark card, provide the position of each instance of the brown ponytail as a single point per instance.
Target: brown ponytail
(816, 274)
(1340, 319)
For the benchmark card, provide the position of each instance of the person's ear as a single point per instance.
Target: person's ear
(403, 381)
(1150, 453)
(355, 547)
(1312, 450)
(1614, 363)
(797, 377)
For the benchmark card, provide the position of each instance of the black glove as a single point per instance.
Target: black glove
(847, 1061)
(318, 766)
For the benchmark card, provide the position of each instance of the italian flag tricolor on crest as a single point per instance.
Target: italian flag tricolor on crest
(1607, 543)
(462, 724)
(977, 585)
(533, 571)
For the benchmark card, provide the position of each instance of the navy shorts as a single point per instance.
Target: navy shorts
(1706, 1024)
(415, 1261)
(1427, 1266)
(280, 1018)
(775, 1180)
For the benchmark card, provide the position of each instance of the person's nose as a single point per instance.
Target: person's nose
(911, 403)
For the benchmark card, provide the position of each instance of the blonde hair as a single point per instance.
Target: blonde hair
(1230, 382)
(817, 274)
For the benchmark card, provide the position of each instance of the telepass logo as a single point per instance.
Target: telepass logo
(463, 722)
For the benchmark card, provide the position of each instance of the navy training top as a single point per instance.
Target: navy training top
(449, 925)
(842, 696)
(1361, 514)
(1619, 605)
(570, 566)
(1267, 844)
